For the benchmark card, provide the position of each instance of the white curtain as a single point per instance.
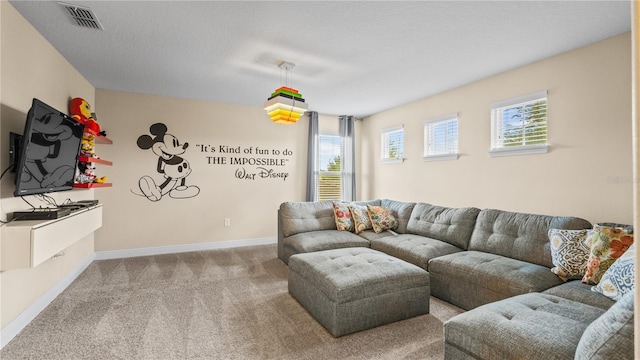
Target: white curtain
(312, 157)
(347, 158)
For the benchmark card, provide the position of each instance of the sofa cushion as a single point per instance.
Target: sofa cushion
(519, 236)
(469, 279)
(301, 217)
(611, 335)
(619, 277)
(320, 240)
(453, 225)
(372, 235)
(414, 249)
(569, 252)
(401, 211)
(529, 326)
(609, 242)
(577, 291)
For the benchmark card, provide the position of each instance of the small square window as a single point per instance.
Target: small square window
(519, 126)
(392, 144)
(441, 138)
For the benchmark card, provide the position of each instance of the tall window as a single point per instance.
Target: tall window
(329, 162)
(519, 126)
(392, 144)
(441, 138)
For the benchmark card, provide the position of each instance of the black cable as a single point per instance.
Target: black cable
(48, 199)
(25, 200)
(5, 171)
(3, 223)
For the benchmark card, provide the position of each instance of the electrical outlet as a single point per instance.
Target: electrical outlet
(227, 222)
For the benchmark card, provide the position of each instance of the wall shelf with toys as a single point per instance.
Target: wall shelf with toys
(87, 158)
(87, 161)
(99, 139)
(94, 160)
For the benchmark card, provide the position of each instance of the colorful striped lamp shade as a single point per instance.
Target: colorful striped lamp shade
(285, 106)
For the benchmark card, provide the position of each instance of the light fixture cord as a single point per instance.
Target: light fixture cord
(288, 79)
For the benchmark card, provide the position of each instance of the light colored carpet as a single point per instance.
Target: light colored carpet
(220, 304)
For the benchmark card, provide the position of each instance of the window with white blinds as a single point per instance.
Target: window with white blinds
(441, 138)
(329, 177)
(392, 144)
(519, 126)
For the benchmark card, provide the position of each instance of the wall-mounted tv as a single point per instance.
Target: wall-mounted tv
(48, 151)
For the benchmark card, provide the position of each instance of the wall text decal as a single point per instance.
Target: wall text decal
(267, 163)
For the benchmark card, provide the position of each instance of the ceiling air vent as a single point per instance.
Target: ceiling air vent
(83, 17)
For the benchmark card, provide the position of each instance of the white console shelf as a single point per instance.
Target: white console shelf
(26, 244)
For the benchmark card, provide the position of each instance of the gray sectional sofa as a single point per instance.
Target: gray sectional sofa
(494, 263)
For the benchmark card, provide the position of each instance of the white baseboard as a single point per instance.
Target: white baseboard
(21, 321)
(14, 327)
(172, 249)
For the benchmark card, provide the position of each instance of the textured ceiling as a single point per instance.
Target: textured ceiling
(351, 57)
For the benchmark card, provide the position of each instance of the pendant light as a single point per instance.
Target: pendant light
(285, 105)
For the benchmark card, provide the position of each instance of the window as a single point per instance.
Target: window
(392, 144)
(519, 126)
(329, 165)
(441, 138)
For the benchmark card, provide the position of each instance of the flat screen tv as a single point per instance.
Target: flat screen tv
(48, 151)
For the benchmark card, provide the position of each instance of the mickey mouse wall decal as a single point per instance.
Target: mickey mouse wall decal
(171, 165)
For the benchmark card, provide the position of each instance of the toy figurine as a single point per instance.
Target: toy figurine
(88, 145)
(81, 111)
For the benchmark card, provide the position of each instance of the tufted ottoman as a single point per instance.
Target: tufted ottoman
(529, 326)
(353, 289)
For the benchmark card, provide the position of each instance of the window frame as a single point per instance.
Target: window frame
(497, 149)
(432, 122)
(385, 145)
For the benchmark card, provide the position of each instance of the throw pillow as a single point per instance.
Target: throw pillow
(608, 242)
(381, 218)
(618, 279)
(343, 216)
(360, 218)
(569, 252)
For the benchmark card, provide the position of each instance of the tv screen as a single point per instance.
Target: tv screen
(48, 154)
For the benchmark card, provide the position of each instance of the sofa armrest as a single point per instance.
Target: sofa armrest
(280, 238)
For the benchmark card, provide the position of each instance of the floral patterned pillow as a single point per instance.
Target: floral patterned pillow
(618, 279)
(343, 216)
(569, 252)
(608, 242)
(360, 218)
(381, 218)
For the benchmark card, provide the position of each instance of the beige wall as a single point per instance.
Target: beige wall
(30, 67)
(587, 172)
(133, 221)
